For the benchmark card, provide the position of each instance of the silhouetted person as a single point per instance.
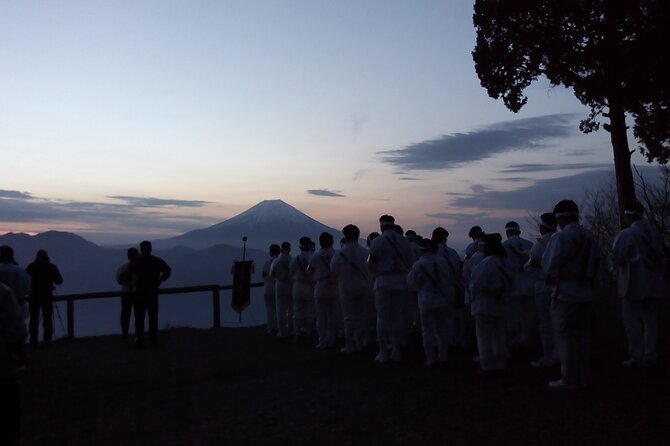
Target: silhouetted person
(18, 280)
(12, 337)
(570, 261)
(269, 291)
(123, 278)
(44, 275)
(147, 272)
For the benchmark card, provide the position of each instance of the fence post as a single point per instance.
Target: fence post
(70, 319)
(216, 307)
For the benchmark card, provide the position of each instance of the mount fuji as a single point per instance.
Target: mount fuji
(270, 221)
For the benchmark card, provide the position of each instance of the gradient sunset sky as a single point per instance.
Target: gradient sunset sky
(126, 120)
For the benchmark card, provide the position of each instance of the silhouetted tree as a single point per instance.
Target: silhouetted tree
(612, 53)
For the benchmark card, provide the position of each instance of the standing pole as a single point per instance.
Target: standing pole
(70, 319)
(244, 247)
(216, 307)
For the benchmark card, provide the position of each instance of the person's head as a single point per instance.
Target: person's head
(274, 250)
(305, 244)
(386, 222)
(6, 253)
(634, 212)
(428, 246)
(398, 229)
(132, 253)
(42, 256)
(351, 233)
(371, 237)
(440, 234)
(547, 223)
(145, 247)
(285, 247)
(566, 212)
(326, 240)
(475, 232)
(493, 245)
(410, 235)
(512, 229)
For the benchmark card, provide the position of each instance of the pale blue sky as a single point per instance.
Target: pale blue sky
(346, 110)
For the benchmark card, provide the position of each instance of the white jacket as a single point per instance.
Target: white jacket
(348, 266)
(641, 247)
(430, 276)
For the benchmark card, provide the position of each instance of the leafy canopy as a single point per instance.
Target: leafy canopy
(608, 51)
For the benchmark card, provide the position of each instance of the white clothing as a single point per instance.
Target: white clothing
(280, 271)
(489, 282)
(542, 297)
(303, 293)
(431, 277)
(390, 260)
(471, 249)
(570, 262)
(269, 296)
(491, 341)
(641, 248)
(325, 296)
(518, 252)
(355, 290)
(18, 280)
(12, 333)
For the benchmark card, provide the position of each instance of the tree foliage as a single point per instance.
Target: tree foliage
(612, 53)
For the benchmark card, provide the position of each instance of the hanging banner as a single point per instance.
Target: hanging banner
(241, 285)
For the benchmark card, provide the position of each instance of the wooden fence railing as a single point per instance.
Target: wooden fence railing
(214, 289)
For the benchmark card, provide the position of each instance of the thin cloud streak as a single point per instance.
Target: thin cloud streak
(458, 149)
(27, 209)
(15, 194)
(360, 173)
(539, 196)
(326, 193)
(530, 168)
(151, 202)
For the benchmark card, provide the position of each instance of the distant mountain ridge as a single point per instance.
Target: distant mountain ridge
(270, 221)
(199, 257)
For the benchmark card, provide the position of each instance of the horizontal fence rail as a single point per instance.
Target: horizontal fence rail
(70, 299)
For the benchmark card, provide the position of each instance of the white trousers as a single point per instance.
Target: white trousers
(354, 314)
(270, 312)
(303, 308)
(326, 320)
(572, 334)
(390, 304)
(544, 324)
(284, 314)
(521, 323)
(492, 341)
(640, 319)
(435, 333)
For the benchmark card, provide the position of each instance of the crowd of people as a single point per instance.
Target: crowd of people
(501, 296)
(505, 294)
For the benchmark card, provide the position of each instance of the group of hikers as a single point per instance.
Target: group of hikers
(510, 294)
(29, 293)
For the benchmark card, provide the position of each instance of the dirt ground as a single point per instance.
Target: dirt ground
(240, 386)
